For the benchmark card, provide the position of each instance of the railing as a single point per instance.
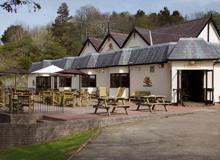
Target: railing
(27, 102)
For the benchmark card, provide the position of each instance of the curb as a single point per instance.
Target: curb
(85, 144)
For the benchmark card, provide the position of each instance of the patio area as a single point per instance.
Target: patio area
(87, 112)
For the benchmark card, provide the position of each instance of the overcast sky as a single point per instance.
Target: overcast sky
(49, 8)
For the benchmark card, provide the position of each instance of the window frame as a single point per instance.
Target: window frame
(116, 80)
(63, 82)
(43, 83)
(89, 81)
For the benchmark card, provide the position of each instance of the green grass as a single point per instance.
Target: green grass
(59, 149)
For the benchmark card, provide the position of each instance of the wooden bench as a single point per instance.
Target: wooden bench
(137, 94)
(106, 103)
(152, 101)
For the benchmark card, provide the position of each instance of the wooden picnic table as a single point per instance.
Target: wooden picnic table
(108, 103)
(151, 101)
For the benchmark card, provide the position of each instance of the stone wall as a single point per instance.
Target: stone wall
(19, 118)
(25, 134)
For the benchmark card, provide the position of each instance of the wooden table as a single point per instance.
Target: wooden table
(151, 101)
(107, 103)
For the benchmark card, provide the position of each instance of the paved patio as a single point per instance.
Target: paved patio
(88, 111)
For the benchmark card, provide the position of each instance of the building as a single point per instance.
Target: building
(191, 64)
(91, 45)
(199, 28)
(112, 42)
(178, 66)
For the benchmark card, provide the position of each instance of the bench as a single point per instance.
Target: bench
(151, 102)
(107, 103)
(137, 94)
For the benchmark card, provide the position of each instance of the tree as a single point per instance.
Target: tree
(13, 33)
(11, 5)
(91, 22)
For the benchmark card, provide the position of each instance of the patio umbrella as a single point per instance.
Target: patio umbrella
(14, 71)
(48, 70)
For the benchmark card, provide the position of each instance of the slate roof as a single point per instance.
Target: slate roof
(193, 49)
(184, 49)
(95, 42)
(119, 38)
(151, 54)
(172, 33)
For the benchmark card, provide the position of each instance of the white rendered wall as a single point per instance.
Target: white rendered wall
(135, 41)
(185, 65)
(160, 79)
(105, 47)
(217, 83)
(213, 35)
(88, 49)
(31, 79)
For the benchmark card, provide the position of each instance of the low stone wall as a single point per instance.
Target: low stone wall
(19, 118)
(25, 134)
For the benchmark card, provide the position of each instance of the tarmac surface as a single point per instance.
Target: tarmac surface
(193, 136)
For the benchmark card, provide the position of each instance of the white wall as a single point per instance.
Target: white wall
(160, 79)
(31, 78)
(185, 65)
(105, 47)
(217, 83)
(103, 79)
(213, 35)
(135, 41)
(88, 49)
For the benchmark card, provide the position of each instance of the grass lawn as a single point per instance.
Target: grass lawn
(59, 149)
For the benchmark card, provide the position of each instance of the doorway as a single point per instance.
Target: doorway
(192, 82)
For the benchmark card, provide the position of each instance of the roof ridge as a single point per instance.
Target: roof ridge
(171, 25)
(119, 33)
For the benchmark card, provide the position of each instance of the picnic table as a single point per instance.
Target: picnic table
(151, 101)
(107, 103)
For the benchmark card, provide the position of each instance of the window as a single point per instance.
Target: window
(88, 80)
(65, 81)
(43, 83)
(152, 69)
(55, 82)
(119, 80)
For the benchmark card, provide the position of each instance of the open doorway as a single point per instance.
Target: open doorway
(192, 82)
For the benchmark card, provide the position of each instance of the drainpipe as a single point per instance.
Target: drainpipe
(213, 73)
(129, 71)
(151, 41)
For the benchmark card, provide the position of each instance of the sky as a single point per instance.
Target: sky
(49, 8)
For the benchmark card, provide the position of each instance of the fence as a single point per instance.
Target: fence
(27, 102)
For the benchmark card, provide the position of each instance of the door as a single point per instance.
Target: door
(192, 82)
(209, 86)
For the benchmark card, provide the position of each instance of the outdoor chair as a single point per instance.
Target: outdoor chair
(47, 97)
(102, 92)
(69, 98)
(83, 97)
(57, 97)
(118, 97)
